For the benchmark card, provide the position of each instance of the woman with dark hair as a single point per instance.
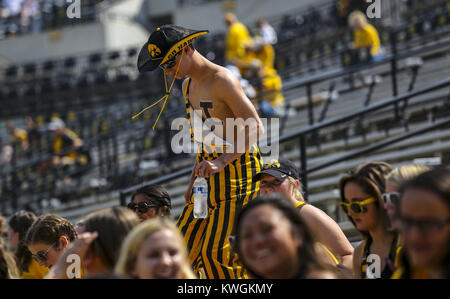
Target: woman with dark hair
(361, 199)
(99, 242)
(425, 226)
(150, 202)
(273, 242)
(47, 237)
(19, 223)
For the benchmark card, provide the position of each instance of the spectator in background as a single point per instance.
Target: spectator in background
(266, 32)
(281, 176)
(425, 226)
(47, 237)
(66, 144)
(269, 98)
(8, 266)
(154, 249)
(19, 223)
(361, 199)
(150, 202)
(274, 242)
(236, 37)
(33, 136)
(99, 243)
(365, 35)
(395, 179)
(19, 139)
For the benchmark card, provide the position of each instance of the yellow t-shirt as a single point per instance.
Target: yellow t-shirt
(236, 37)
(272, 87)
(367, 37)
(35, 271)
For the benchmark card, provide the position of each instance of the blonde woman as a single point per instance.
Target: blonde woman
(365, 35)
(281, 176)
(395, 179)
(154, 250)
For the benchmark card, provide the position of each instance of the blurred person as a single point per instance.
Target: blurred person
(99, 243)
(154, 249)
(237, 36)
(65, 144)
(47, 238)
(365, 35)
(274, 242)
(33, 135)
(361, 193)
(269, 98)
(19, 139)
(8, 266)
(394, 180)
(266, 32)
(281, 176)
(215, 93)
(425, 226)
(18, 224)
(150, 202)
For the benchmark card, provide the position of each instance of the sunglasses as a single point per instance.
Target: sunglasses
(274, 183)
(391, 198)
(425, 226)
(171, 63)
(141, 207)
(357, 207)
(42, 255)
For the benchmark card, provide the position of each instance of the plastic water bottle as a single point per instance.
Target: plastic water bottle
(200, 191)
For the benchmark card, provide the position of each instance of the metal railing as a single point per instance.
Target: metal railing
(301, 135)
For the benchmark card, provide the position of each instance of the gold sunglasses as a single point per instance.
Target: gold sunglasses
(357, 207)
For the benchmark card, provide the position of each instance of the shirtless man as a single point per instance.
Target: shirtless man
(216, 93)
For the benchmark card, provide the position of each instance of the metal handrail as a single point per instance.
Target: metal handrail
(303, 132)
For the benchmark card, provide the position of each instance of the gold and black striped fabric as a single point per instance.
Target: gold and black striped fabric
(228, 192)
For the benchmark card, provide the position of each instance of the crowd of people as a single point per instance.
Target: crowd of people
(257, 224)
(402, 214)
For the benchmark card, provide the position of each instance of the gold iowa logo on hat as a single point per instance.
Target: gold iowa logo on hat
(272, 163)
(154, 50)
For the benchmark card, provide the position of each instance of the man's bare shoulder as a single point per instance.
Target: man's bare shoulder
(224, 79)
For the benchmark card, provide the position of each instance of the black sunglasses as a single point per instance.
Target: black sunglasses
(42, 255)
(171, 63)
(393, 198)
(141, 207)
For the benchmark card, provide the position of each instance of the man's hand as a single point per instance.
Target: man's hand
(207, 168)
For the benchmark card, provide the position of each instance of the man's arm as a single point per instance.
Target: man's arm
(229, 90)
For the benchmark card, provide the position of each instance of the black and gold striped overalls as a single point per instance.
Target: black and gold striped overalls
(229, 191)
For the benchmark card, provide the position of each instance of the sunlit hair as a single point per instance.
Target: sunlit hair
(47, 229)
(112, 225)
(357, 18)
(297, 191)
(371, 178)
(8, 267)
(401, 174)
(133, 243)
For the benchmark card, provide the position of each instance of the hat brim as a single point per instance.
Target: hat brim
(146, 63)
(273, 172)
